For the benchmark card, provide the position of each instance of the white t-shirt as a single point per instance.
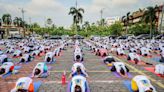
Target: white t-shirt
(134, 55)
(119, 65)
(80, 81)
(50, 55)
(23, 83)
(159, 69)
(2, 57)
(143, 83)
(75, 65)
(7, 66)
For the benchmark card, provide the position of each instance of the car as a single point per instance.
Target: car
(143, 36)
(161, 36)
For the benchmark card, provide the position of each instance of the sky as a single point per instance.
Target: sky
(39, 10)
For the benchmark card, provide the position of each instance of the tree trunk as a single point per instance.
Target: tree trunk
(151, 30)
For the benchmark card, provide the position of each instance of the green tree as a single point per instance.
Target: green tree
(77, 15)
(116, 28)
(150, 17)
(6, 19)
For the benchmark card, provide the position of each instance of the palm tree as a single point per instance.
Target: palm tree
(49, 21)
(102, 22)
(86, 25)
(6, 18)
(149, 17)
(77, 15)
(127, 21)
(0, 22)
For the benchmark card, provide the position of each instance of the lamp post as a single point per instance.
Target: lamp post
(101, 15)
(23, 11)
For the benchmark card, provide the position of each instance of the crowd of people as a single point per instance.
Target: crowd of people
(131, 49)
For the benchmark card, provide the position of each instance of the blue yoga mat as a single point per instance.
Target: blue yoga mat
(6, 75)
(157, 59)
(37, 85)
(127, 84)
(17, 67)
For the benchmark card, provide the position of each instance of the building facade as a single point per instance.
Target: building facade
(136, 17)
(111, 20)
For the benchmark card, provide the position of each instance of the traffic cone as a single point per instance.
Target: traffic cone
(64, 78)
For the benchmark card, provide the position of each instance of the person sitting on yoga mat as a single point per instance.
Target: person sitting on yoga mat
(35, 53)
(162, 57)
(144, 51)
(3, 58)
(41, 48)
(76, 65)
(56, 52)
(24, 84)
(40, 70)
(133, 56)
(133, 50)
(25, 58)
(6, 67)
(141, 83)
(108, 60)
(78, 57)
(120, 68)
(49, 57)
(10, 50)
(79, 71)
(120, 51)
(26, 49)
(78, 84)
(17, 53)
(159, 69)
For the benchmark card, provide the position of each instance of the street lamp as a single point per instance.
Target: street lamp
(101, 13)
(23, 11)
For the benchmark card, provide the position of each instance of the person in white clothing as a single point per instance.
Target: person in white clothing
(24, 84)
(141, 83)
(159, 69)
(40, 70)
(49, 58)
(134, 56)
(17, 53)
(3, 58)
(25, 58)
(6, 68)
(78, 84)
(120, 68)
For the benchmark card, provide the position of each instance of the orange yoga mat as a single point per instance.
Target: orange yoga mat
(152, 70)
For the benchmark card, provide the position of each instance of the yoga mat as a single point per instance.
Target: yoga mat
(139, 63)
(157, 59)
(124, 56)
(17, 67)
(119, 76)
(152, 70)
(6, 75)
(49, 67)
(127, 84)
(37, 85)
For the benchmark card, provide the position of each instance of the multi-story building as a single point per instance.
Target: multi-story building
(111, 20)
(11, 30)
(136, 17)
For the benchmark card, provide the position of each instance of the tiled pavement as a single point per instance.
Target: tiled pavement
(100, 78)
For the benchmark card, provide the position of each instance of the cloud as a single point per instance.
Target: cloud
(58, 10)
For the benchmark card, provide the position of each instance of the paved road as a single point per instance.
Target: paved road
(100, 77)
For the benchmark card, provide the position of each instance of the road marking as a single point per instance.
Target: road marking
(93, 81)
(61, 71)
(140, 72)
